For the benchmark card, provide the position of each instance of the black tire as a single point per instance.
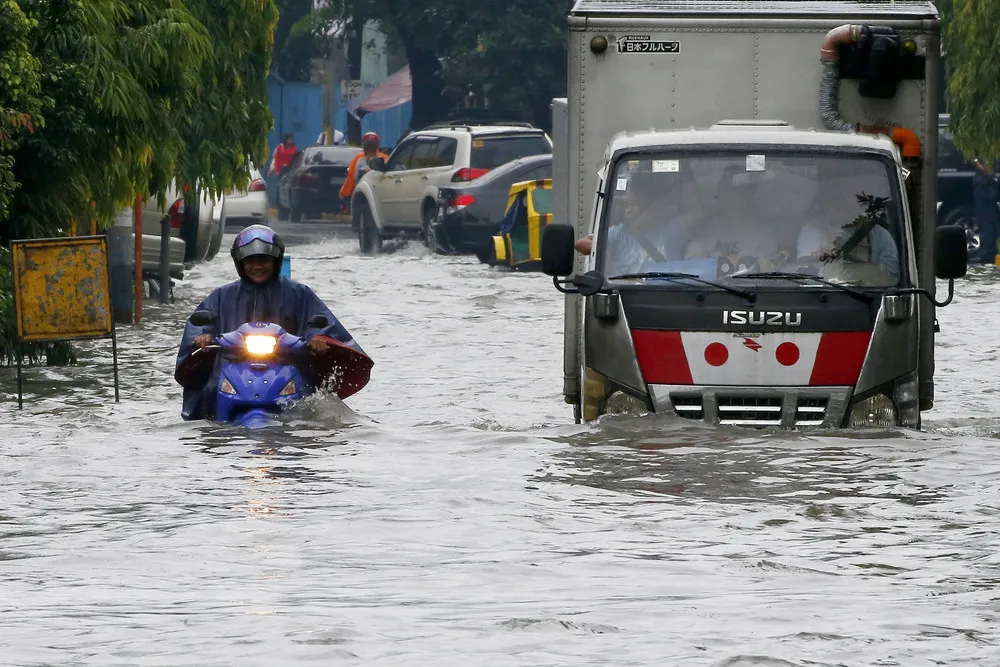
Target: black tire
(426, 220)
(369, 237)
(295, 215)
(965, 217)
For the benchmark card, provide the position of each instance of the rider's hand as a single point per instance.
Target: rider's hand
(318, 344)
(203, 340)
(584, 245)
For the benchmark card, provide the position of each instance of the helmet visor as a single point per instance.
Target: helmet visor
(252, 242)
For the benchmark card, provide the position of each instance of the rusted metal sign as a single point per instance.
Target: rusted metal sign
(62, 291)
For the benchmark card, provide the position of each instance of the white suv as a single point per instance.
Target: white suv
(398, 197)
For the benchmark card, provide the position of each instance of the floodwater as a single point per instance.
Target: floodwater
(452, 513)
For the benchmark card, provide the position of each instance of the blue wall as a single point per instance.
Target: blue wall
(297, 108)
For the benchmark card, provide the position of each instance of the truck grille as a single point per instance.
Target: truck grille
(749, 409)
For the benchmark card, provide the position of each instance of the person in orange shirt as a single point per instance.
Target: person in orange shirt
(370, 149)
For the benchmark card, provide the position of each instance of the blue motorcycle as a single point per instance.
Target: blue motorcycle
(265, 369)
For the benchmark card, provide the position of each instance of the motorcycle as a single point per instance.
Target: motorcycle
(265, 369)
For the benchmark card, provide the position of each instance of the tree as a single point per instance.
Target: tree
(426, 29)
(517, 52)
(104, 100)
(972, 42)
(19, 93)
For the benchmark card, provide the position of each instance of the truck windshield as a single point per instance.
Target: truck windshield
(722, 214)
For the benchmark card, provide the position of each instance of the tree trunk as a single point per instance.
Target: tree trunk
(429, 101)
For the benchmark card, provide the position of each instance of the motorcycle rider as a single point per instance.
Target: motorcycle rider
(260, 295)
(369, 149)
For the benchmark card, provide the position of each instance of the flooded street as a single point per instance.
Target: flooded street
(452, 513)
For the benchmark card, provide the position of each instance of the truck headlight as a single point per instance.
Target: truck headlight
(875, 411)
(906, 393)
(620, 403)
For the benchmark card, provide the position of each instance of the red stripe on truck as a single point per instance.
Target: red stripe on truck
(661, 357)
(839, 358)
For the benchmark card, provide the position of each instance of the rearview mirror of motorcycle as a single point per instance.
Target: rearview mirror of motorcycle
(376, 164)
(557, 249)
(318, 322)
(951, 252)
(202, 318)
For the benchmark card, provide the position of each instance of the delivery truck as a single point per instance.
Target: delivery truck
(750, 189)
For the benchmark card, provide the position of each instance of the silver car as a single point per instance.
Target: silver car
(246, 207)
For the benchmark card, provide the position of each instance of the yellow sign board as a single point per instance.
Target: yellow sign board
(62, 289)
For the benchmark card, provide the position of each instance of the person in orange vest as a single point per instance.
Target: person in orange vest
(284, 153)
(369, 149)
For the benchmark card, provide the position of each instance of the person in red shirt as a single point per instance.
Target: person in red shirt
(370, 149)
(283, 154)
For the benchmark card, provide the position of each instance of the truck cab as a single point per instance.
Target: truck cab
(774, 266)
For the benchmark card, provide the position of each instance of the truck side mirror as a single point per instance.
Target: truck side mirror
(557, 249)
(377, 164)
(951, 252)
(202, 318)
(318, 322)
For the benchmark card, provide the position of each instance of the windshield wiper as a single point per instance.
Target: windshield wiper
(674, 276)
(799, 277)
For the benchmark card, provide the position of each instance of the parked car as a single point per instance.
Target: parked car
(195, 223)
(246, 207)
(956, 202)
(518, 242)
(310, 185)
(398, 197)
(151, 256)
(468, 214)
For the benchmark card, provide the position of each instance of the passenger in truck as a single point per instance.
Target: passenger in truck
(840, 229)
(647, 225)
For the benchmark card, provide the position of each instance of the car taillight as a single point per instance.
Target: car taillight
(468, 174)
(257, 185)
(176, 214)
(308, 178)
(460, 202)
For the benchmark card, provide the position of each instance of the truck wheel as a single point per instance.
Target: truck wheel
(427, 219)
(369, 237)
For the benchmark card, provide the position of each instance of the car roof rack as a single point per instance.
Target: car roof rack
(468, 124)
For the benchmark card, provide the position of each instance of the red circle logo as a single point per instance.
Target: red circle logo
(787, 354)
(716, 354)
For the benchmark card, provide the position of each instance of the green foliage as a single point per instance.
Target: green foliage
(972, 43)
(102, 101)
(132, 94)
(514, 52)
(19, 93)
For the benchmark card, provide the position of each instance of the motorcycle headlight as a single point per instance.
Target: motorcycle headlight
(227, 387)
(289, 389)
(261, 346)
(875, 411)
(620, 403)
